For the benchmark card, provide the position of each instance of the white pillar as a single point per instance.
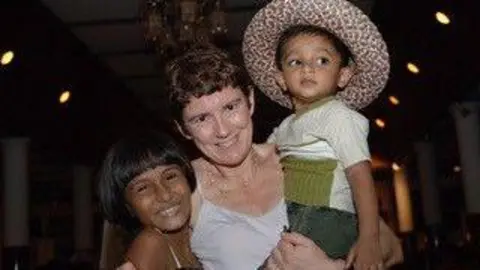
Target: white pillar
(468, 137)
(428, 182)
(82, 207)
(15, 175)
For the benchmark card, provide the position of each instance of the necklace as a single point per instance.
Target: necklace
(175, 256)
(224, 186)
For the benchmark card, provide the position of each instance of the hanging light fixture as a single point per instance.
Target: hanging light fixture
(173, 25)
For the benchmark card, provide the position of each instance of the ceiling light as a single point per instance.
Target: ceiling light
(64, 97)
(413, 68)
(457, 168)
(7, 57)
(394, 100)
(395, 167)
(442, 18)
(380, 123)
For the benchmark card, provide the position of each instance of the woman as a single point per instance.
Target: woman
(145, 186)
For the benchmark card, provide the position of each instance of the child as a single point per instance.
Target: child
(324, 58)
(145, 186)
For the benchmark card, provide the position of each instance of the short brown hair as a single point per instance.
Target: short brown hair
(202, 71)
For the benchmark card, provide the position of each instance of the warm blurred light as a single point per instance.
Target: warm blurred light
(379, 163)
(64, 97)
(442, 18)
(413, 68)
(7, 58)
(380, 123)
(394, 100)
(404, 204)
(457, 168)
(395, 167)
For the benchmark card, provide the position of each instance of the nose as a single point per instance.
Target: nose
(308, 68)
(163, 193)
(222, 127)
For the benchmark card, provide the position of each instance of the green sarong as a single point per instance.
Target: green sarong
(308, 185)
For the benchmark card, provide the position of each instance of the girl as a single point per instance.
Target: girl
(146, 183)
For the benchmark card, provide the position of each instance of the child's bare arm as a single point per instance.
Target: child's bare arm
(363, 188)
(367, 253)
(148, 251)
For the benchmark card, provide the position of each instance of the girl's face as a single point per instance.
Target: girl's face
(160, 197)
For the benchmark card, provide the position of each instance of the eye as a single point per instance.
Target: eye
(171, 176)
(199, 119)
(322, 61)
(141, 188)
(231, 106)
(294, 63)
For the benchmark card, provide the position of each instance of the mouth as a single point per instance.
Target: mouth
(228, 143)
(308, 82)
(171, 211)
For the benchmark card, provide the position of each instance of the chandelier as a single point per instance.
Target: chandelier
(174, 25)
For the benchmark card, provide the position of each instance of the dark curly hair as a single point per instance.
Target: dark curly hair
(202, 71)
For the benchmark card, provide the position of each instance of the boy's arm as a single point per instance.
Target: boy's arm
(360, 179)
(367, 252)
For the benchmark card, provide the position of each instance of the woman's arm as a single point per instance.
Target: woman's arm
(392, 251)
(295, 251)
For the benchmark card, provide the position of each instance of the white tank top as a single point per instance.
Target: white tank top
(223, 239)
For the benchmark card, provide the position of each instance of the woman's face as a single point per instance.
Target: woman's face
(220, 125)
(160, 197)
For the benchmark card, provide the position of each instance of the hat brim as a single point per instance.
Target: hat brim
(342, 19)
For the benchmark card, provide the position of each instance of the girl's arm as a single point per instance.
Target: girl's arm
(148, 251)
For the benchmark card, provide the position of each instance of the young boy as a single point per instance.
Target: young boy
(323, 58)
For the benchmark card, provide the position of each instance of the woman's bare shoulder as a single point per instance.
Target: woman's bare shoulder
(267, 152)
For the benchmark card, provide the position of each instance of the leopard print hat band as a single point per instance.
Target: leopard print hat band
(341, 18)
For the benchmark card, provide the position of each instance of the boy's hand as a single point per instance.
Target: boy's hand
(365, 255)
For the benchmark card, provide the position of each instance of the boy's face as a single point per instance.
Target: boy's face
(311, 69)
